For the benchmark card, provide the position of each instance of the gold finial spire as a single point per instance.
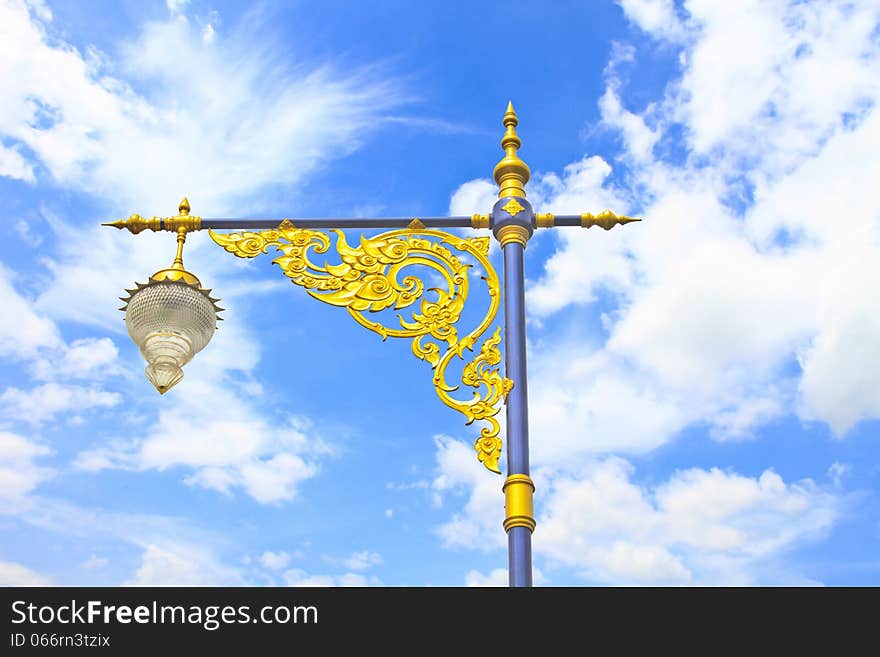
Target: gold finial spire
(184, 208)
(511, 173)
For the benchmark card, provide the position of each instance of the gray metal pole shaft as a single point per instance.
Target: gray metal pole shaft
(519, 539)
(325, 223)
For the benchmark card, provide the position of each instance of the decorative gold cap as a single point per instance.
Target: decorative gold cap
(511, 173)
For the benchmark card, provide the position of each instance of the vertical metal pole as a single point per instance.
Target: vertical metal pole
(512, 222)
(519, 537)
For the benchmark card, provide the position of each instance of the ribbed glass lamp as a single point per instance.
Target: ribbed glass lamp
(170, 318)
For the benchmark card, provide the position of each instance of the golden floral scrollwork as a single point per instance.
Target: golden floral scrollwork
(371, 278)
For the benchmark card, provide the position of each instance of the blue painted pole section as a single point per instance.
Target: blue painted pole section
(519, 539)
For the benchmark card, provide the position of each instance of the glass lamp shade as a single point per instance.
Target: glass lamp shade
(170, 321)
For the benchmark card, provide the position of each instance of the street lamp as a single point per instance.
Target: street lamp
(171, 318)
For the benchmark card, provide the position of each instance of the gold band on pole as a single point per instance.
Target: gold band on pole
(545, 220)
(513, 233)
(480, 221)
(518, 507)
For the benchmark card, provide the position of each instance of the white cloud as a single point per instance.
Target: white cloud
(181, 565)
(477, 525)
(837, 472)
(40, 9)
(176, 6)
(208, 33)
(27, 234)
(738, 422)
(22, 331)
(255, 462)
(657, 17)
(474, 197)
(13, 574)
(700, 526)
(275, 560)
(87, 358)
(241, 449)
(297, 577)
(495, 578)
(569, 279)
(13, 165)
(170, 550)
(19, 474)
(94, 562)
(639, 139)
(770, 78)
(363, 560)
(582, 404)
(44, 402)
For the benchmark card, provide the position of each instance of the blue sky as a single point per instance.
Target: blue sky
(704, 388)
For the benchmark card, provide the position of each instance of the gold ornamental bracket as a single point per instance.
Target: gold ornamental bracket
(377, 275)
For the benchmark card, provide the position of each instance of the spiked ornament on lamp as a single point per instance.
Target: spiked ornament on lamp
(171, 317)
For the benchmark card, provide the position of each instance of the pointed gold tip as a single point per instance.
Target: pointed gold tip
(184, 208)
(510, 117)
(136, 223)
(605, 219)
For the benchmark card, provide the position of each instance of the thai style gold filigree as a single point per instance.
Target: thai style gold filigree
(512, 207)
(371, 278)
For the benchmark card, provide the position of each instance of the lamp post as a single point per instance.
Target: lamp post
(171, 317)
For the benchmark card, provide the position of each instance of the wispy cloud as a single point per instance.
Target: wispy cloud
(176, 113)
